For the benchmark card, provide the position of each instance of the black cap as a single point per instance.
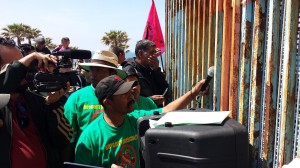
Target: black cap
(112, 85)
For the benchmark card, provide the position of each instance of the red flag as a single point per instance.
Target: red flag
(153, 31)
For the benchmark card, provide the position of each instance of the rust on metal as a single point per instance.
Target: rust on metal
(251, 79)
(234, 61)
(226, 53)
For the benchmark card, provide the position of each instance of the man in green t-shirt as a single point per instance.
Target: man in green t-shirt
(82, 107)
(112, 140)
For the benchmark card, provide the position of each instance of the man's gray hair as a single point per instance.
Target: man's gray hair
(143, 45)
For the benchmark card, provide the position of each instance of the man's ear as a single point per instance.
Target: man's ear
(106, 102)
(140, 53)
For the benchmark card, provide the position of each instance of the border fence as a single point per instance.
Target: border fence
(254, 47)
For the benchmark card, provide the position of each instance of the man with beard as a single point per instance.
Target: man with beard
(112, 140)
(33, 129)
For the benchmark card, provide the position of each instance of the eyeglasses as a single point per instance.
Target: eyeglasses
(23, 120)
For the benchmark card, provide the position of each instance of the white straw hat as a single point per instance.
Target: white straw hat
(105, 59)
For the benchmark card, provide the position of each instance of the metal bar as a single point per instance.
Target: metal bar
(168, 40)
(234, 58)
(183, 52)
(288, 82)
(245, 62)
(211, 48)
(226, 55)
(270, 84)
(256, 79)
(218, 55)
(195, 45)
(297, 117)
(178, 13)
(180, 46)
(205, 58)
(203, 42)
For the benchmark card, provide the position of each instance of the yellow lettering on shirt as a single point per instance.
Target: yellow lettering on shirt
(120, 142)
(95, 107)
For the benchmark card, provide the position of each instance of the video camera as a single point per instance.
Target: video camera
(49, 82)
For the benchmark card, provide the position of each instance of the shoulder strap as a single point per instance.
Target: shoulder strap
(78, 76)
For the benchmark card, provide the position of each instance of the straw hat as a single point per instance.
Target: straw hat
(105, 59)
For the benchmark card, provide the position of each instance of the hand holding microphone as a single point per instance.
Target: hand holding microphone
(209, 77)
(202, 85)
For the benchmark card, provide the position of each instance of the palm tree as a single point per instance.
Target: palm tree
(14, 31)
(49, 44)
(31, 33)
(116, 38)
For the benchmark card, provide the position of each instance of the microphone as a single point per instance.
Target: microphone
(210, 75)
(74, 54)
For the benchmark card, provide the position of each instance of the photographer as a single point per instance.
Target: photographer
(34, 132)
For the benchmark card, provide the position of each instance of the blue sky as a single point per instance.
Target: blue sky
(84, 22)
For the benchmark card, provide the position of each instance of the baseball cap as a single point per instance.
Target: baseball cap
(112, 85)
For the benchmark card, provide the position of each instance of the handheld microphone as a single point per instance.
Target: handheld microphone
(74, 54)
(210, 75)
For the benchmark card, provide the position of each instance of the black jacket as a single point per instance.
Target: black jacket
(53, 128)
(152, 81)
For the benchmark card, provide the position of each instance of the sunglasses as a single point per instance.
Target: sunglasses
(23, 119)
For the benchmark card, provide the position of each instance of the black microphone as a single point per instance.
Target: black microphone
(74, 54)
(210, 75)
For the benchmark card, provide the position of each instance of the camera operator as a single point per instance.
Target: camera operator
(34, 131)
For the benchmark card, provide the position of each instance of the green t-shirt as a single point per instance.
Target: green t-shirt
(145, 104)
(81, 108)
(103, 145)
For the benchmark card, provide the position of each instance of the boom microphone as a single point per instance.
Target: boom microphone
(74, 54)
(210, 75)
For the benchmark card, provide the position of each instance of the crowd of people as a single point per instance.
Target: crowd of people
(94, 124)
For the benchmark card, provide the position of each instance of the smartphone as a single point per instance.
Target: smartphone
(165, 92)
